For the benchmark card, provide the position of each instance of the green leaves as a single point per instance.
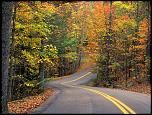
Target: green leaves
(35, 83)
(31, 83)
(70, 42)
(71, 55)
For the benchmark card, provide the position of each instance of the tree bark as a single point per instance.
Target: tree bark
(10, 87)
(6, 23)
(41, 68)
(126, 63)
(41, 75)
(137, 30)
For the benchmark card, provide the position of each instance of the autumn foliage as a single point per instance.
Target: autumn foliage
(49, 39)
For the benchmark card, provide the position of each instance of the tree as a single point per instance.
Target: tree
(11, 66)
(123, 48)
(6, 23)
(31, 27)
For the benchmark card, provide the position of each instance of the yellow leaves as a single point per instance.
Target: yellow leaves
(24, 11)
(25, 15)
(48, 7)
(48, 60)
(71, 55)
(29, 84)
(143, 28)
(40, 61)
(24, 7)
(91, 49)
(141, 40)
(19, 26)
(64, 8)
(31, 59)
(117, 3)
(140, 47)
(75, 26)
(129, 7)
(129, 36)
(71, 34)
(67, 6)
(121, 23)
(35, 42)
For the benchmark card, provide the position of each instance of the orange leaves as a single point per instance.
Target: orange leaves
(64, 9)
(24, 11)
(26, 15)
(144, 24)
(140, 47)
(91, 49)
(47, 7)
(27, 104)
(142, 40)
(93, 44)
(107, 9)
(125, 17)
(143, 28)
(140, 57)
(95, 20)
(140, 65)
(91, 34)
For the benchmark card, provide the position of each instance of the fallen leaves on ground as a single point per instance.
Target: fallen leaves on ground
(29, 103)
(141, 88)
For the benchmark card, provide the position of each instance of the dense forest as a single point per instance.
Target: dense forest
(46, 39)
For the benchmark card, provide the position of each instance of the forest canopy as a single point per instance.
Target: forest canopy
(50, 38)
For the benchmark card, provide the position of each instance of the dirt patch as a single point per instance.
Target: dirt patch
(27, 104)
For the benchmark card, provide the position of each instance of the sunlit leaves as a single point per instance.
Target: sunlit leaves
(71, 56)
(49, 8)
(70, 27)
(123, 7)
(124, 24)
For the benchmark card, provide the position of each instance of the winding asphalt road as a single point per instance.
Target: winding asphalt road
(72, 96)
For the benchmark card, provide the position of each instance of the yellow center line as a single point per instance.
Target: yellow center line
(121, 104)
(77, 78)
(123, 107)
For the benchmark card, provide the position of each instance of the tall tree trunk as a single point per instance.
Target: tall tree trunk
(137, 29)
(41, 68)
(41, 75)
(10, 86)
(149, 30)
(109, 41)
(147, 73)
(6, 23)
(126, 63)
